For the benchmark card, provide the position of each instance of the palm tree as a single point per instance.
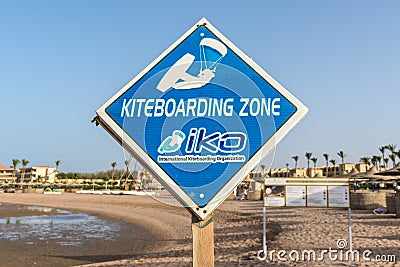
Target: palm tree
(296, 160)
(287, 169)
(392, 148)
(15, 163)
(142, 182)
(382, 150)
(25, 163)
(58, 162)
(386, 162)
(333, 161)
(308, 156)
(113, 165)
(373, 160)
(314, 160)
(326, 156)
(376, 160)
(127, 162)
(393, 158)
(262, 171)
(342, 155)
(397, 154)
(366, 161)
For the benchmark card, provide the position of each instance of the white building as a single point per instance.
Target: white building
(7, 174)
(39, 174)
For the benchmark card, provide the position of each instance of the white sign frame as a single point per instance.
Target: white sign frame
(302, 196)
(332, 190)
(136, 151)
(319, 189)
(308, 183)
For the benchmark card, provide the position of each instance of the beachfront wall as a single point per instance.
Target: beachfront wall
(320, 171)
(390, 202)
(367, 200)
(397, 203)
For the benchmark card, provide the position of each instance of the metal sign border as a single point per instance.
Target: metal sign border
(135, 150)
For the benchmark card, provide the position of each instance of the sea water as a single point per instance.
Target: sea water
(67, 228)
(38, 236)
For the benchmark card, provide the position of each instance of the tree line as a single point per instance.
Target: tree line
(381, 160)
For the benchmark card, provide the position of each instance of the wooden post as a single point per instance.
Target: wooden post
(203, 242)
(350, 230)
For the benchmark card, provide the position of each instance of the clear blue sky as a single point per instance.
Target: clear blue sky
(61, 60)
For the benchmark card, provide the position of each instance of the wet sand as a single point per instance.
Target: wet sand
(32, 235)
(238, 231)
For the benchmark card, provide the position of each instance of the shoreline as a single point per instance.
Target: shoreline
(141, 210)
(237, 233)
(43, 236)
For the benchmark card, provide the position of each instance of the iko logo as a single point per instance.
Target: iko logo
(198, 141)
(172, 143)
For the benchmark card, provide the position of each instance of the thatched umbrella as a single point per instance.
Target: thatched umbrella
(363, 175)
(395, 171)
(352, 175)
(392, 175)
(368, 173)
(369, 176)
(353, 172)
(373, 175)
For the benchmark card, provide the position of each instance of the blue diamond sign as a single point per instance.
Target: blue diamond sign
(200, 117)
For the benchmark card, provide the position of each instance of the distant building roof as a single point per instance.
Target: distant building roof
(2, 166)
(38, 167)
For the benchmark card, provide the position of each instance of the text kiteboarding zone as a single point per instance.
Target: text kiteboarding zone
(199, 107)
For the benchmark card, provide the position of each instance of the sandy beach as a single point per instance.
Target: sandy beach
(166, 232)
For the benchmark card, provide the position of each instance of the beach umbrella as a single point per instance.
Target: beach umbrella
(366, 177)
(367, 174)
(395, 171)
(392, 175)
(373, 175)
(353, 173)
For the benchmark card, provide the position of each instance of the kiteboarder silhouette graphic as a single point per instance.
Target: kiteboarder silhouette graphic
(211, 53)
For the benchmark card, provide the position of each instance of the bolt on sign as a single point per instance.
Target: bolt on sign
(200, 117)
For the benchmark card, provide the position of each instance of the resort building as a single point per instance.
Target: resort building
(39, 174)
(7, 174)
(320, 171)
